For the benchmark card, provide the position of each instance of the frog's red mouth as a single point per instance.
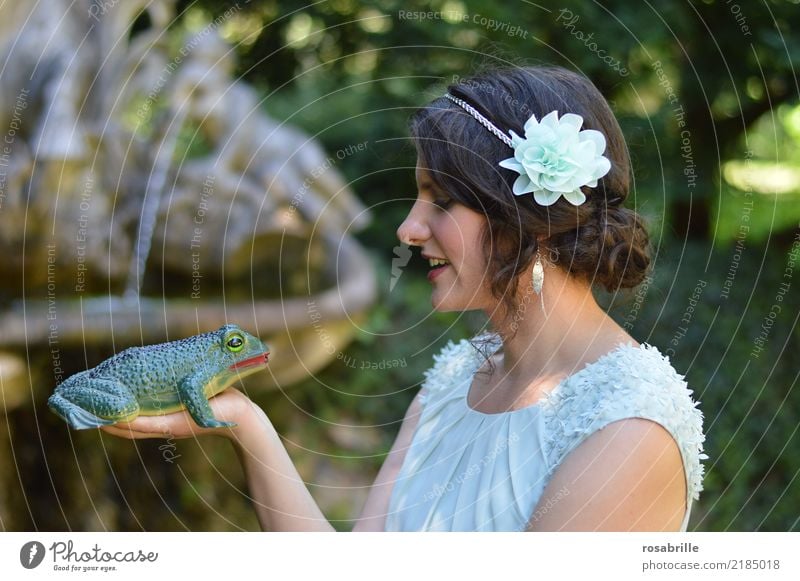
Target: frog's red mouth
(258, 360)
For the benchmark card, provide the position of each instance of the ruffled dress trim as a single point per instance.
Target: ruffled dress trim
(431, 492)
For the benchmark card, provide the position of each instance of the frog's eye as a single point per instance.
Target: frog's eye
(235, 343)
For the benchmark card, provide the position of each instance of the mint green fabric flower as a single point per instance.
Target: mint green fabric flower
(556, 158)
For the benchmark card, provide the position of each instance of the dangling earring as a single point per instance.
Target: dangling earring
(538, 277)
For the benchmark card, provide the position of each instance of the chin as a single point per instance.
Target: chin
(443, 308)
(442, 305)
(450, 303)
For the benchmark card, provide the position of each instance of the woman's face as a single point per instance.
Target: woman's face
(446, 229)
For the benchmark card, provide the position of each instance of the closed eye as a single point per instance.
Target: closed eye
(443, 203)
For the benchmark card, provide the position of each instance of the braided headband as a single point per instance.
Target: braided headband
(554, 159)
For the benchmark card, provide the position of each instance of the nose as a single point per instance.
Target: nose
(414, 230)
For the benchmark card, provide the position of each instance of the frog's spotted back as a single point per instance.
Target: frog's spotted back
(160, 379)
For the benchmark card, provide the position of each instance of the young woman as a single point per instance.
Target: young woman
(555, 419)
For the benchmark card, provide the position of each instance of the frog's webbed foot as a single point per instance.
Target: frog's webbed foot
(92, 402)
(193, 397)
(77, 417)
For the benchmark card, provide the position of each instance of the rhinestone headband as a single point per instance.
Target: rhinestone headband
(555, 158)
(481, 119)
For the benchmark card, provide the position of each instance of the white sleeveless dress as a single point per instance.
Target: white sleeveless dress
(470, 471)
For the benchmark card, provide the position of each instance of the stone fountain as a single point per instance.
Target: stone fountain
(146, 195)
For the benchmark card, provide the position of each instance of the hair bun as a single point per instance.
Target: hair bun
(612, 250)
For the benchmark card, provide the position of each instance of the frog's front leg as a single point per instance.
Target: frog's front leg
(90, 402)
(191, 392)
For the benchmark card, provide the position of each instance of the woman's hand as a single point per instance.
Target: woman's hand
(281, 498)
(231, 405)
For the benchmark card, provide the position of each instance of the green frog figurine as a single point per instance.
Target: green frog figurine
(160, 379)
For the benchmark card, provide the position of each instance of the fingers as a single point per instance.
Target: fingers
(227, 406)
(129, 434)
(151, 424)
(178, 424)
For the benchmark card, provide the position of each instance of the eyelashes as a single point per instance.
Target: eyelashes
(444, 203)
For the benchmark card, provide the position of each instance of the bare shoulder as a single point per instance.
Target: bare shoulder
(628, 476)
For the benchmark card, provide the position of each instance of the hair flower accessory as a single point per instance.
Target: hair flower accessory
(556, 158)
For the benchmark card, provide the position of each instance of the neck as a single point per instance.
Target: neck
(555, 341)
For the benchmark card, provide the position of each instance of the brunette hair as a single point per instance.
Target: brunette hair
(599, 241)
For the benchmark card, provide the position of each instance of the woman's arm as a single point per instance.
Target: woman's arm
(373, 516)
(281, 498)
(283, 502)
(628, 476)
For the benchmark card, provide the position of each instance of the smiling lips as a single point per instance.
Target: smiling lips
(260, 359)
(436, 272)
(437, 266)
